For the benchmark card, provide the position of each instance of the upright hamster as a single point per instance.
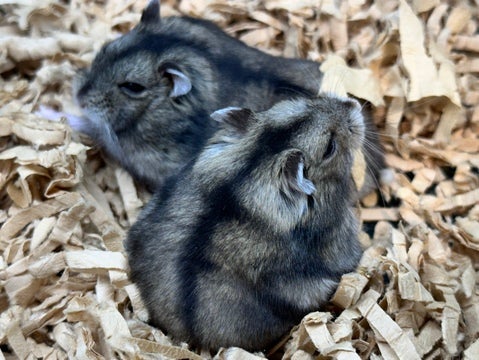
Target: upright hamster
(148, 95)
(256, 232)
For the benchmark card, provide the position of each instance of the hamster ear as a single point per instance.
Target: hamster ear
(235, 120)
(292, 174)
(181, 82)
(151, 14)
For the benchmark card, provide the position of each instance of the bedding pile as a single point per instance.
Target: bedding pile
(65, 208)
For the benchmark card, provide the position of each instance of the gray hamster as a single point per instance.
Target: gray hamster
(256, 233)
(147, 96)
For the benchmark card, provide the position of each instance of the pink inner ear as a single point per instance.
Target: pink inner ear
(181, 83)
(221, 114)
(305, 185)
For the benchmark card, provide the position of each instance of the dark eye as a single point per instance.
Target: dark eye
(132, 87)
(330, 149)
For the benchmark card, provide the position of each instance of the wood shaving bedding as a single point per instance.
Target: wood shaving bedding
(65, 210)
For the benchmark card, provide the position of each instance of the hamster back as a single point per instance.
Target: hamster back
(257, 231)
(147, 96)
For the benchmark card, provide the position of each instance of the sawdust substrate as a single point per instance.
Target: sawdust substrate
(65, 209)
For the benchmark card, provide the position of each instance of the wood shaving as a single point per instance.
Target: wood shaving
(65, 209)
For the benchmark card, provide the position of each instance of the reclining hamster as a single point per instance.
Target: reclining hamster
(147, 96)
(255, 233)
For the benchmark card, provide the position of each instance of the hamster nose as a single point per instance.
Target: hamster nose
(82, 94)
(356, 104)
(355, 113)
(352, 104)
(84, 89)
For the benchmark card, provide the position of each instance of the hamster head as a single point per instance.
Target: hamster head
(295, 157)
(137, 84)
(326, 131)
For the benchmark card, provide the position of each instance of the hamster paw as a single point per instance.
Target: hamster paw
(76, 122)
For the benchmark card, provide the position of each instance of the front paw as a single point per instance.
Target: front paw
(77, 123)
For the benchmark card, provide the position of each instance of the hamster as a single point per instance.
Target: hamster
(147, 96)
(257, 231)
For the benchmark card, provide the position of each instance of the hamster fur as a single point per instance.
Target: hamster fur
(147, 96)
(256, 232)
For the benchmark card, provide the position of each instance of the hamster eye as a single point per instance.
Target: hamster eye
(331, 148)
(131, 88)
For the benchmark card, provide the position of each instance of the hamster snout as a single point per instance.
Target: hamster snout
(353, 122)
(356, 118)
